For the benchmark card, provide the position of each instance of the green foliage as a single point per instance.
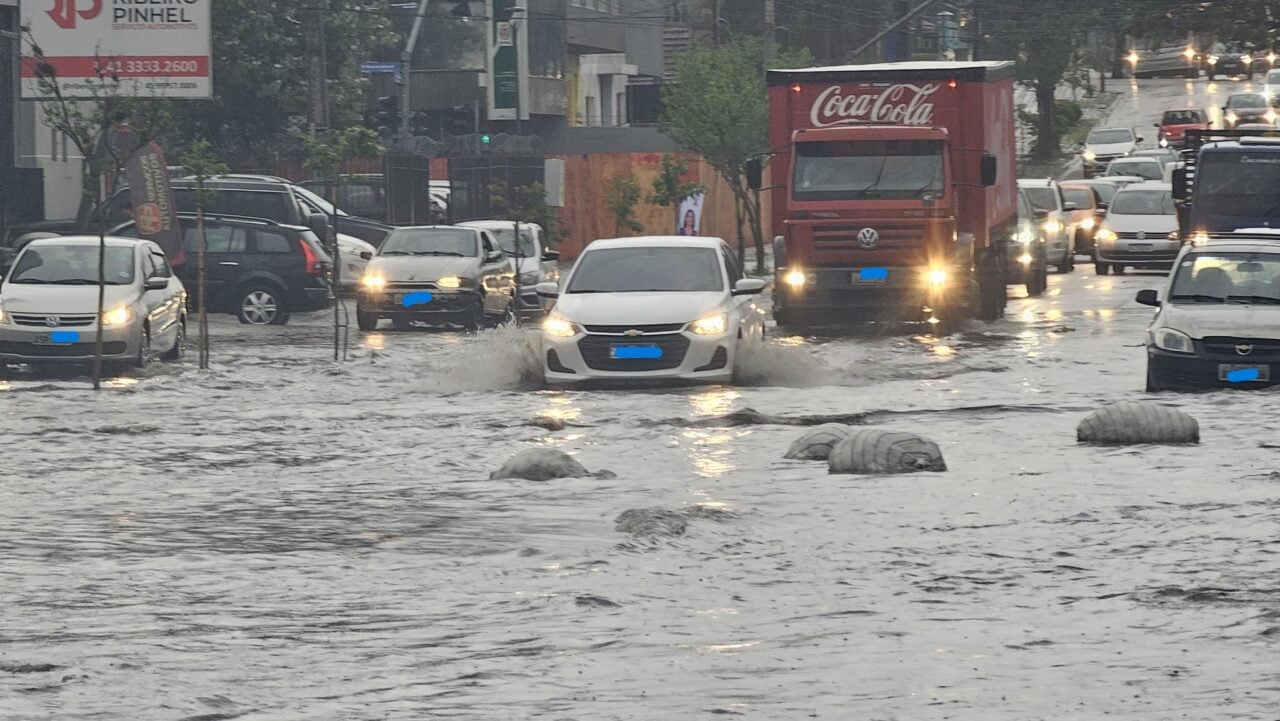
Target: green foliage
(670, 187)
(327, 150)
(526, 204)
(200, 161)
(621, 194)
(1069, 112)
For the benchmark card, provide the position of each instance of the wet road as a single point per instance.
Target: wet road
(285, 538)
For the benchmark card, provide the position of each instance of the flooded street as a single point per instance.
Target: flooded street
(283, 537)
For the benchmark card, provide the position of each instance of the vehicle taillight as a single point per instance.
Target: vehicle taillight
(312, 260)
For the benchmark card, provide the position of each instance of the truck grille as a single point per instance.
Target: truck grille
(844, 238)
(595, 353)
(64, 321)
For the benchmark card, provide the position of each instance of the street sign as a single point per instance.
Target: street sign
(372, 67)
(507, 60)
(159, 50)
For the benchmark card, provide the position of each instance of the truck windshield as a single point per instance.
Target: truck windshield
(1240, 184)
(868, 169)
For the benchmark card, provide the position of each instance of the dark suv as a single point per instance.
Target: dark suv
(259, 270)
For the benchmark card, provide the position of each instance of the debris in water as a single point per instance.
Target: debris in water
(871, 450)
(816, 444)
(1138, 422)
(590, 601)
(651, 522)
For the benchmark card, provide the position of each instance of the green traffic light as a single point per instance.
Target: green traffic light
(484, 139)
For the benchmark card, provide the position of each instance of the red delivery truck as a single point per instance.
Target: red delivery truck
(894, 191)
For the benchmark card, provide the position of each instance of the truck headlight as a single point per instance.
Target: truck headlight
(374, 281)
(711, 325)
(795, 278)
(1174, 341)
(1025, 259)
(936, 278)
(558, 327)
(117, 316)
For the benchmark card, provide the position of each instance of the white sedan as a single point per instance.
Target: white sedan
(650, 308)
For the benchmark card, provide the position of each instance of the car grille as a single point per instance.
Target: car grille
(624, 329)
(1161, 237)
(71, 350)
(595, 353)
(1154, 256)
(64, 321)
(1262, 348)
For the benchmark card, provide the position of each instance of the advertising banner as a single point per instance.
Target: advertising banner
(690, 216)
(154, 209)
(156, 48)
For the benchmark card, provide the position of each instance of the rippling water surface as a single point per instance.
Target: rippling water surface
(286, 538)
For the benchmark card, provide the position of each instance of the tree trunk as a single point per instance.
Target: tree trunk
(202, 287)
(1047, 133)
(737, 213)
(102, 293)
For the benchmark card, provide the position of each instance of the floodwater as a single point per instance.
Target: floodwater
(286, 538)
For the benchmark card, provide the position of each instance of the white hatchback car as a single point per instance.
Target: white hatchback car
(538, 263)
(49, 303)
(650, 308)
(1136, 232)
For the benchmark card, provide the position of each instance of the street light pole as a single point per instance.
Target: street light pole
(515, 21)
(406, 62)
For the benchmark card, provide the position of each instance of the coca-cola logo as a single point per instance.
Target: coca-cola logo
(901, 104)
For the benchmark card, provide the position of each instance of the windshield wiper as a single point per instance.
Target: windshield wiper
(1198, 298)
(396, 252)
(78, 281)
(440, 252)
(1263, 299)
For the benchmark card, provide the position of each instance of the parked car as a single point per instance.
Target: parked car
(1086, 216)
(437, 274)
(259, 271)
(1046, 195)
(1027, 264)
(1271, 87)
(1174, 124)
(650, 308)
(363, 195)
(537, 263)
(1146, 168)
(1244, 108)
(49, 303)
(1218, 318)
(1139, 231)
(1103, 145)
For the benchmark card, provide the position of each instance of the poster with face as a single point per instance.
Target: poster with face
(690, 216)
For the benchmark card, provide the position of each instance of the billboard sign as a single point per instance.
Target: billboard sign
(507, 53)
(155, 49)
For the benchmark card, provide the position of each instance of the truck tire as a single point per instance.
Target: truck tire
(992, 293)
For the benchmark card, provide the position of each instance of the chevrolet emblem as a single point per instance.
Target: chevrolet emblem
(1243, 349)
(633, 333)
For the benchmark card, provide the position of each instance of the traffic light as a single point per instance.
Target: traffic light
(388, 112)
(485, 139)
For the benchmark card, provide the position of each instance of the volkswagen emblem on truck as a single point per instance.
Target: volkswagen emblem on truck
(868, 238)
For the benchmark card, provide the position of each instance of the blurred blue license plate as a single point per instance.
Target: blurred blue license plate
(871, 275)
(635, 352)
(58, 337)
(1244, 373)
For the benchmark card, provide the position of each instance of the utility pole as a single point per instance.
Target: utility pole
(406, 75)
(715, 23)
(317, 93)
(770, 31)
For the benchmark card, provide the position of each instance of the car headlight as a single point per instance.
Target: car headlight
(1231, 116)
(1025, 236)
(1052, 226)
(553, 276)
(374, 281)
(1088, 223)
(1270, 116)
(1246, 60)
(117, 316)
(1090, 156)
(1106, 235)
(1025, 259)
(453, 282)
(3, 318)
(1199, 238)
(558, 327)
(1174, 341)
(711, 325)
(533, 277)
(1164, 142)
(1213, 59)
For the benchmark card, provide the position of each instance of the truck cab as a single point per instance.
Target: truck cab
(1230, 180)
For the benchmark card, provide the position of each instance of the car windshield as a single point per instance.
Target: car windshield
(1148, 168)
(1106, 191)
(248, 203)
(72, 265)
(324, 205)
(431, 241)
(1182, 117)
(884, 169)
(1273, 77)
(506, 238)
(648, 269)
(1043, 198)
(1107, 137)
(1082, 197)
(1239, 184)
(1209, 277)
(1250, 100)
(1143, 202)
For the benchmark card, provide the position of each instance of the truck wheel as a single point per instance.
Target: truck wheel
(992, 292)
(1101, 268)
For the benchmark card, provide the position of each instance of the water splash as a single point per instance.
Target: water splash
(506, 358)
(778, 363)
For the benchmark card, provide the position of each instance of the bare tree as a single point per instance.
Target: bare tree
(106, 128)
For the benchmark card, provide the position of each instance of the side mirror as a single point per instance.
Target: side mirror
(1179, 183)
(494, 257)
(1141, 139)
(318, 223)
(547, 289)
(1070, 207)
(749, 286)
(755, 173)
(1157, 125)
(155, 282)
(1149, 297)
(1039, 214)
(990, 170)
(550, 255)
(366, 255)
